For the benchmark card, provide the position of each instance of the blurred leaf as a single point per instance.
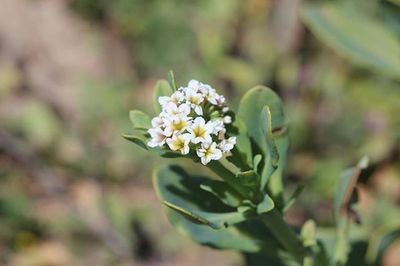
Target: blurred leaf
(396, 2)
(308, 233)
(362, 40)
(36, 122)
(140, 120)
(137, 140)
(345, 188)
(376, 254)
(162, 88)
(344, 199)
(293, 198)
(171, 80)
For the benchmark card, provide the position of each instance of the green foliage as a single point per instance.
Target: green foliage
(140, 120)
(195, 211)
(162, 88)
(362, 40)
(261, 106)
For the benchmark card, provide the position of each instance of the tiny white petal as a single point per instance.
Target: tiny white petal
(227, 119)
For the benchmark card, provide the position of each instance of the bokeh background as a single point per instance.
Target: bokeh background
(74, 192)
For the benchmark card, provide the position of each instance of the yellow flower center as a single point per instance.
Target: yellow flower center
(199, 131)
(180, 125)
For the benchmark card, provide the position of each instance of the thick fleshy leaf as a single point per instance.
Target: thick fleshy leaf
(266, 205)
(242, 141)
(175, 186)
(182, 193)
(256, 162)
(250, 112)
(248, 179)
(162, 88)
(271, 164)
(140, 120)
(222, 191)
(362, 40)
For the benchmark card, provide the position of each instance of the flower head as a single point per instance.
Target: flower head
(193, 117)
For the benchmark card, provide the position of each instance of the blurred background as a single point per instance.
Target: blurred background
(74, 192)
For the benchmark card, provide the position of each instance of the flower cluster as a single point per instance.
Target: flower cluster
(193, 118)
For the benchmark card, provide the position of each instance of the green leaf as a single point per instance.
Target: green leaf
(248, 179)
(140, 120)
(345, 189)
(214, 220)
(362, 40)
(243, 144)
(343, 211)
(250, 112)
(376, 253)
(171, 80)
(266, 205)
(256, 162)
(162, 88)
(182, 193)
(141, 142)
(175, 186)
(271, 164)
(221, 190)
(293, 198)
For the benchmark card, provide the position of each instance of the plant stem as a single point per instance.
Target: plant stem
(284, 234)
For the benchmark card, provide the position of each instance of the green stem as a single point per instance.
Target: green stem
(284, 234)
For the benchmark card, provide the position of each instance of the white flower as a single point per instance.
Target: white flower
(227, 119)
(227, 144)
(179, 143)
(172, 110)
(157, 121)
(194, 99)
(208, 152)
(221, 100)
(210, 94)
(225, 109)
(158, 137)
(176, 124)
(175, 98)
(194, 85)
(217, 126)
(200, 130)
